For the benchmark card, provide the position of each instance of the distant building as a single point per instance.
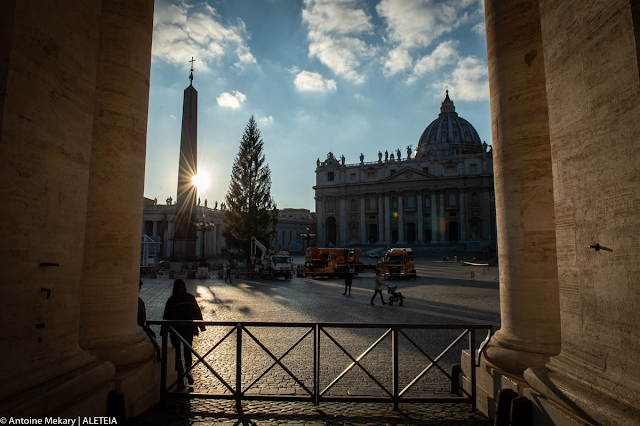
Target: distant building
(441, 192)
(296, 230)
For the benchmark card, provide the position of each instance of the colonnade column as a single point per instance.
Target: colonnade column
(442, 228)
(155, 228)
(319, 225)
(400, 219)
(108, 326)
(463, 217)
(342, 214)
(363, 225)
(420, 236)
(387, 219)
(434, 218)
(530, 312)
(381, 215)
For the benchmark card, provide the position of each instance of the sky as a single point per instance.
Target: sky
(319, 76)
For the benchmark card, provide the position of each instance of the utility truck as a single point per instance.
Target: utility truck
(332, 262)
(271, 265)
(397, 263)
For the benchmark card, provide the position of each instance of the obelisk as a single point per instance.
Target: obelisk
(185, 235)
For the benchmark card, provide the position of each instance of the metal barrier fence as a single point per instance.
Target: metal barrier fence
(314, 392)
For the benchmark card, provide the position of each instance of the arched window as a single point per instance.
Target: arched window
(372, 203)
(394, 203)
(353, 205)
(427, 200)
(411, 204)
(452, 199)
(331, 206)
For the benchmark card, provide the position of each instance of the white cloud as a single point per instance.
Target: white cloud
(480, 28)
(229, 100)
(334, 31)
(415, 24)
(469, 81)
(265, 120)
(181, 31)
(307, 81)
(444, 54)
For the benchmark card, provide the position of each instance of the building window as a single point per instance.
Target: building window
(371, 175)
(411, 202)
(425, 169)
(372, 203)
(353, 176)
(450, 169)
(474, 198)
(393, 172)
(394, 203)
(331, 206)
(473, 167)
(353, 205)
(330, 176)
(427, 201)
(452, 199)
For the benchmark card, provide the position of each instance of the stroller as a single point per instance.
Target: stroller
(395, 296)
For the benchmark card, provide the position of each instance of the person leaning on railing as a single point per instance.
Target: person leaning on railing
(183, 306)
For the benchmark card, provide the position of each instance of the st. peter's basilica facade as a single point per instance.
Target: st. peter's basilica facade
(440, 193)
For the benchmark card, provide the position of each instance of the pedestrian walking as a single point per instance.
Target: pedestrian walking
(183, 306)
(378, 288)
(142, 322)
(348, 279)
(228, 274)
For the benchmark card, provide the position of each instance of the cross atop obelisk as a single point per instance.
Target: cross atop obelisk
(184, 237)
(191, 75)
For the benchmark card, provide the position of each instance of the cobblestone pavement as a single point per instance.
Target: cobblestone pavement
(442, 294)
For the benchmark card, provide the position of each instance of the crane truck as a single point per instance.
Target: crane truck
(271, 265)
(332, 262)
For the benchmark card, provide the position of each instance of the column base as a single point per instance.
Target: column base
(128, 351)
(584, 402)
(516, 356)
(82, 392)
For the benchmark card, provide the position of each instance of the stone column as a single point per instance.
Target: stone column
(486, 218)
(108, 326)
(214, 241)
(387, 219)
(319, 225)
(363, 224)
(155, 228)
(400, 219)
(530, 331)
(434, 218)
(420, 236)
(463, 216)
(169, 239)
(342, 224)
(381, 216)
(441, 220)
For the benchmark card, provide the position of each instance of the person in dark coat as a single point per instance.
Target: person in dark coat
(142, 322)
(348, 279)
(183, 306)
(228, 275)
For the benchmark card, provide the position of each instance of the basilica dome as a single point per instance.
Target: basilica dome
(449, 133)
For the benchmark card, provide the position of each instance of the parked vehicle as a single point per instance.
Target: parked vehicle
(397, 263)
(272, 265)
(332, 262)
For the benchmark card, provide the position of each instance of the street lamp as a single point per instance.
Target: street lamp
(307, 235)
(203, 226)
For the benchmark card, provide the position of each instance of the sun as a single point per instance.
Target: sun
(201, 180)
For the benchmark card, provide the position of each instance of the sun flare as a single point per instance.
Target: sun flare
(201, 180)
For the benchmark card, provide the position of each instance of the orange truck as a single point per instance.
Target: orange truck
(397, 263)
(332, 262)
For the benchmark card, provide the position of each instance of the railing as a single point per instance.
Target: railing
(324, 355)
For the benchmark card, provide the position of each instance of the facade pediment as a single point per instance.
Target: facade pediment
(408, 175)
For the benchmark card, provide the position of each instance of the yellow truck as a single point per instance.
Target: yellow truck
(397, 263)
(332, 262)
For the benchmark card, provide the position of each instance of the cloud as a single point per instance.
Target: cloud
(480, 28)
(228, 100)
(415, 24)
(181, 31)
(265, 120)
(334, 31)
(469, 81)
(307, 81)
(444, 54)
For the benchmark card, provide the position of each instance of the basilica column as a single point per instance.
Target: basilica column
(441, 220)
(108, 326)
(530, 313)
(363, 225)
(463, 216)
(420, 236)
(387, 219)
(381, 215)
(321, 241)
(486, 217)
(400, 219)
(434, 218)
(342, 225)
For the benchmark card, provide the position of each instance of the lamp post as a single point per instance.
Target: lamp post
(203, 226)
(307, 235)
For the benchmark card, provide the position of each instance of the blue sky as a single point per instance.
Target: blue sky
(345, 76)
